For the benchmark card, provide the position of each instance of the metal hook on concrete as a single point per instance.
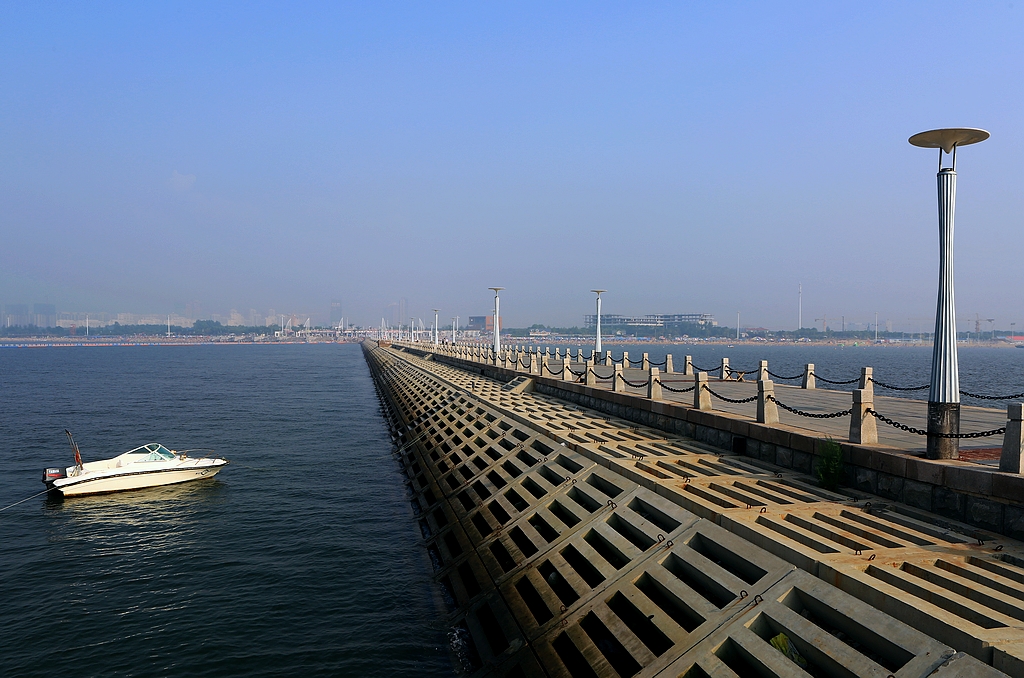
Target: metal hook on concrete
(871, 557)
(758, 599)
(743, 594)
(764, 509)
(999, 547)
(661, 538)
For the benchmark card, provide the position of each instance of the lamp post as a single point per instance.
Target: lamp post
(597, 338)
(497, 331)
(944, 394)
(435, 326)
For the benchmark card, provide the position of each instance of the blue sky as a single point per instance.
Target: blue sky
(687, 157)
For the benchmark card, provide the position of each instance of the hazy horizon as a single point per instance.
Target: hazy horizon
(688, 158)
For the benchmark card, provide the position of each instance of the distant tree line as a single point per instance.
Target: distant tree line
(201, 328)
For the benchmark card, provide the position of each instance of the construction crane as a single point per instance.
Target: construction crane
(977, 324)
(824, 322)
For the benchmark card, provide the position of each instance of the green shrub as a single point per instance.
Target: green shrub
(830, 464)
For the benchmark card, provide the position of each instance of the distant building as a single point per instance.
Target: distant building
(483, 323)
(336, 312)
(17, 315)
(668, 321)
(44, 315)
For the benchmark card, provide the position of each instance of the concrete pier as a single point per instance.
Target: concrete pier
(576, 530)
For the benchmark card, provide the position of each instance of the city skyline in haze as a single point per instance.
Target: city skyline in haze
(690, 159)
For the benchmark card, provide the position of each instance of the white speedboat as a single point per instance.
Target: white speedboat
(147, 466)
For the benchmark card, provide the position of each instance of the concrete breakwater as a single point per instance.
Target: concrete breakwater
(738, 416)
(570, 542)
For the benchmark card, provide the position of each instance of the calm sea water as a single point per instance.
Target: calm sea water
(299, 558)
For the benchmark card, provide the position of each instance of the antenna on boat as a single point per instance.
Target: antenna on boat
(74, 448)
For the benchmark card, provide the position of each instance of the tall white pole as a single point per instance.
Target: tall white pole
(435, 326)
(944, 391)
(876, 327)
(737, 325)
(800, 307)
(597, 337)
(944, 394)
(598, 343)
(497, 321)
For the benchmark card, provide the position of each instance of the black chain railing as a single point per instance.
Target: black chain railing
(779, 376)
(600, 378)
(831, 381)
(739, 372)
(739, 401)
(920, 432)
(558, 373)
(812, 415)
(898, 388)
(674, 390)
(641, 384)
(637, 362)
(705, 369)
(661, 364)
(1015, 396)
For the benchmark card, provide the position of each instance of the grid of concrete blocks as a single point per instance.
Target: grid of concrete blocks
(569, 543)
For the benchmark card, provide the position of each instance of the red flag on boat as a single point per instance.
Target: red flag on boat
(74, 448)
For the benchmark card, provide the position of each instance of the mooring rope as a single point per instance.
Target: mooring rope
(25, 499)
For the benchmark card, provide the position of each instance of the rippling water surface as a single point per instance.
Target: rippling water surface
(301, 557)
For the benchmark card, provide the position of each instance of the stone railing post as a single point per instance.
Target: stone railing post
(645, 364)
(654, 384)
(558, 353)
(701, 397)
(668, 364)
(762, 370)
(617, 384)
(1012, 458)
(591, 378)
(566, 364)
(863, 428)
(508, 362)
(767, 410)
(534, 367)
(808, 376)
(590, 359)
(625, 360)
(724, 374)
(545, 369)
(865, 381)
(688, 366)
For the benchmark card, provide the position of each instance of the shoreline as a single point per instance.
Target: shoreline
(142, 341)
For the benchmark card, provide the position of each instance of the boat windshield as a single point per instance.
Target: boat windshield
(150, 452)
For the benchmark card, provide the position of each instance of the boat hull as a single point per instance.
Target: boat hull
(136, 480)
